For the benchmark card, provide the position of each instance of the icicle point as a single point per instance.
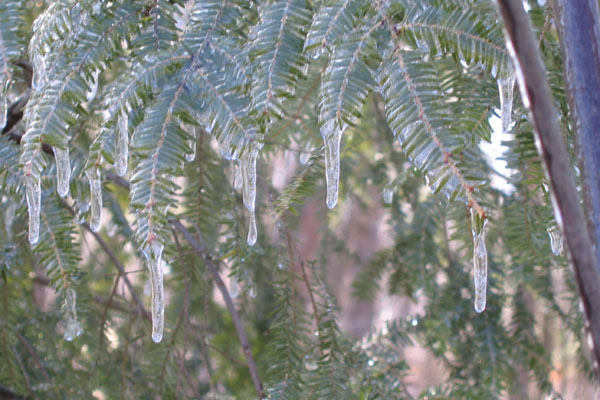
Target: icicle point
(332, 136)
(95, 198)
(63, 171)
(122, 144)
(155, 264)
(33, 193)
(191, 130)
(388, 194)
(72, 326)
(506, 84)
(248, 165)
(252, 231)
(479, 259)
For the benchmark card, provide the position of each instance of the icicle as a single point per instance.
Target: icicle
(155, 263)
(94, 86)
(93, 176)
(191, 156)
(234, 288)
(506, 84)
(63, 171)
(479, 259)
(33, 193)
(388, 194)
(72, 326)
(332, 135)
(237, 176)
(556, 239)
(3, 110)
(248, 162)
(122, 144)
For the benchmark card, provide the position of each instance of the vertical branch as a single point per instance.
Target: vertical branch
(237, 321)
(536, 95)
(578, 27)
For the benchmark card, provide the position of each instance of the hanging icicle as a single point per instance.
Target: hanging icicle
(388, 194)
(122, 143)
(155, 264)
(332, 136)
(63, 171)
(72, 326)
(3, 110)
(248, 164)
(33, 192)
(556, 238)
(94, 177)
(479, 259)
(506, 84)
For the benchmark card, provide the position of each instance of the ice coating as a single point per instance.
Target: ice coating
(93, 176)
(72, 326)
(33, 192)
(248, 164)
(332, 136)
(234, 288)
(122, 144)
(63, 171)
(93, 86)
(506, 84)
(39, 71)
(556, 239)
(155, 263)
(388, 194)
(191, 156)
(479, 259)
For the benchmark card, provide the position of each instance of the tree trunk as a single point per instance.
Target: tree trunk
(578, 24)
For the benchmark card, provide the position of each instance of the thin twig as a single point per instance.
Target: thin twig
(237, 321)
(115, 260)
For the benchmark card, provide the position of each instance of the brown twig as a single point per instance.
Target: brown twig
(535, 92)
(237, 321)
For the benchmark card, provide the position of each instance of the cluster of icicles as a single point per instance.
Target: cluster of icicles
(153, 249)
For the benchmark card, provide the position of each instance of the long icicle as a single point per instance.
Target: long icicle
(154, 261)
(72, 326)
(332, 136)
(506, 84)
(122, 144)
(248, 164)
(93, 176)
(33, 193)
(479, 259)
(63, 171)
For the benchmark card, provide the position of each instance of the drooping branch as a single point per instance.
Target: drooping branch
(199, 246)
(536, 95)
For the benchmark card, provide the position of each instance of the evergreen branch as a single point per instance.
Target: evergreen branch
(237, 321)
(423, 117)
